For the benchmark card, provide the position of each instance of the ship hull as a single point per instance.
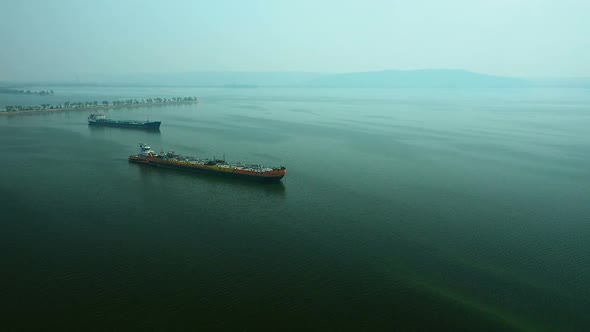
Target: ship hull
(202, 170)
(148, 125)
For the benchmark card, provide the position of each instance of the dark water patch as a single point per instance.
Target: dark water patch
(250, 107)
(382, 117)
(300, 110)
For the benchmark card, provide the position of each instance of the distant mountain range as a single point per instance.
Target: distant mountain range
(424, 78)
(378, 79)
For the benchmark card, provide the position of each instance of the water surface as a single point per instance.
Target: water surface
(402, 209)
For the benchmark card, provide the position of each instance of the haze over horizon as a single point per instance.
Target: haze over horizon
(63, 40)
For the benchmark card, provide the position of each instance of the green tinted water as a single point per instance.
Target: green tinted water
(402, 209)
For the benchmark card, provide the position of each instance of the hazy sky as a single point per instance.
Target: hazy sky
(60, 39)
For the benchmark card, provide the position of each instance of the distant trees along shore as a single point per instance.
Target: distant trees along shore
(104, 103)
(26, 92)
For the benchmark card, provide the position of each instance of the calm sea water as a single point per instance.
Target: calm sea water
(402, 209)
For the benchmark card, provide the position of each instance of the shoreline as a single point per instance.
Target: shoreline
(95, 107)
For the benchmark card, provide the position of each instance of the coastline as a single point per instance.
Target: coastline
(94, 107)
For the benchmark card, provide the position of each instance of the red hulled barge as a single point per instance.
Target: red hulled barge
(211, 166)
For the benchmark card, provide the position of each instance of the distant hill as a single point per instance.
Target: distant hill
(380, 79)
(425, 78)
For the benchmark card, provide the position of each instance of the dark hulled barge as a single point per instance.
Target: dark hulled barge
(215, 166)
(102, 120)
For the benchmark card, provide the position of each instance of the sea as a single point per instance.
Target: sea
(402, 209)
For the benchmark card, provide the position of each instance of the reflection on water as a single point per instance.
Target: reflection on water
(205, 180)
(95, 129)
